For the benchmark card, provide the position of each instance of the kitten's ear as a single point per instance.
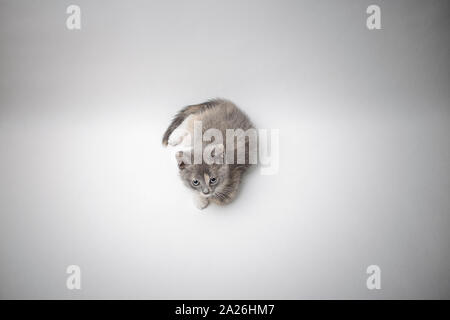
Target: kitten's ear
(180, 160)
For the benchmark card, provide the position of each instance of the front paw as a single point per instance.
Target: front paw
(201, 202)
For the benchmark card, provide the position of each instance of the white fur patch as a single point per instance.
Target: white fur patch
(180, 135)
(200, 202)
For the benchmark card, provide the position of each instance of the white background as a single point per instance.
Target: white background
(364, 149)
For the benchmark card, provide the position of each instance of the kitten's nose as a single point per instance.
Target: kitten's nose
(205, 191)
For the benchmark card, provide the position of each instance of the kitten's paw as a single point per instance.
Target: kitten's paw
(177, 137)
(201, 202)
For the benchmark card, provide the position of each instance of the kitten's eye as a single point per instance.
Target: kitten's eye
(195, 182)
(212, 181)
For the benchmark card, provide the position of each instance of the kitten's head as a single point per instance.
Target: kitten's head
(206, 179)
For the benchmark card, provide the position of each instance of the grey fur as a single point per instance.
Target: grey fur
(219, 114)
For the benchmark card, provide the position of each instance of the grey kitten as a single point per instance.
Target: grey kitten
(215, 182)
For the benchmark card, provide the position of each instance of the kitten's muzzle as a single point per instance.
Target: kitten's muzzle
(205, 191)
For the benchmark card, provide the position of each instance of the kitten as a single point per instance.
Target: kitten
(217, 182)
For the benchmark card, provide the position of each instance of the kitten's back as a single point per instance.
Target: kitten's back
(223, 114)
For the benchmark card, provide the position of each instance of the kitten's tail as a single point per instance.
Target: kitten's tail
(184, 113)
